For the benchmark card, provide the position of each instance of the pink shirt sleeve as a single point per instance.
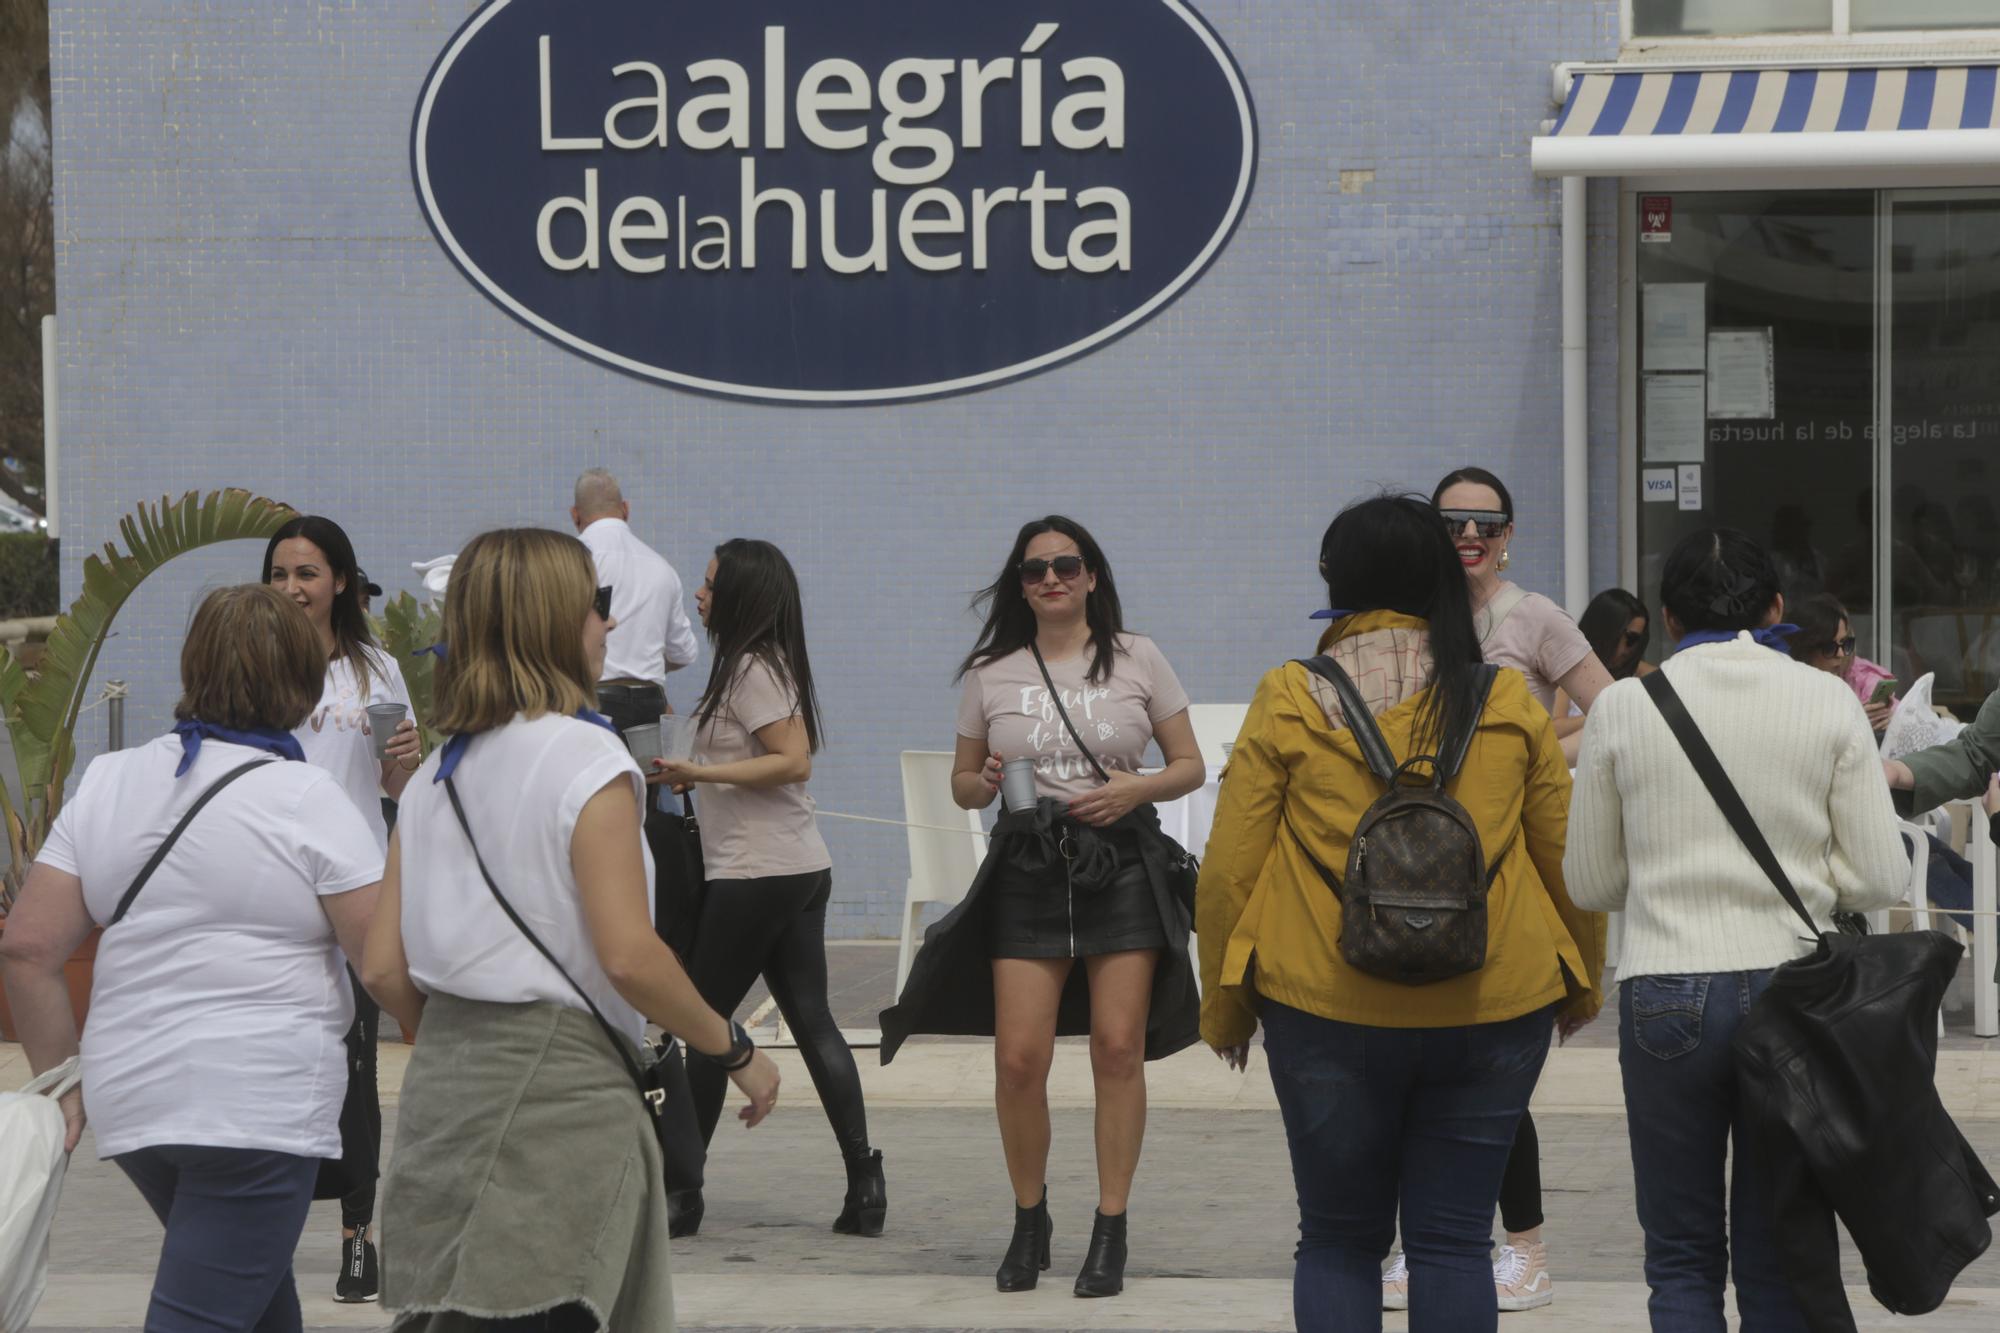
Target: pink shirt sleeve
(760, 698)
(972, 708)
(1164, 695)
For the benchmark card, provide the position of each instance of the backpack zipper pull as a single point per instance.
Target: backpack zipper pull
(1360, 853)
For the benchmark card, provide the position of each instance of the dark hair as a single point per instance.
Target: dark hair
(1718, 579)
(1478, 476)
(1818, 618)
(1010, 621)
(250, 659)
(1390, 553)
(754, 612)
(352, 639)
(1603, 623)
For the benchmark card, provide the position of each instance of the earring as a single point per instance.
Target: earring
(1505, 557)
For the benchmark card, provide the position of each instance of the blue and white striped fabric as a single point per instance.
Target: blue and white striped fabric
(1631, 103)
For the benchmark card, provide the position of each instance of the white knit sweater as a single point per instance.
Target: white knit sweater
(1646, 838)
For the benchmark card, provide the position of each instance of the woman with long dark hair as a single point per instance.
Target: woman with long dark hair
(767, 869)
(1618, 627)
(1077, 921)
(311, 561)
(1399, 1100)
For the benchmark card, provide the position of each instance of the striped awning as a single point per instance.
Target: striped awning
(1628, 121)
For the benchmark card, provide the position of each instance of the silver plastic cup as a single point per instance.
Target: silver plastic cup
(677, 737)
(383, 719)
(1017, 784)
(644, 743)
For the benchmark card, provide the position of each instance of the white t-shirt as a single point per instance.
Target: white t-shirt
(336, 738)
(220, 1001)
(653, 631)
(523, 786)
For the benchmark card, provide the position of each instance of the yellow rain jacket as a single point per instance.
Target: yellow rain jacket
(1296, 783)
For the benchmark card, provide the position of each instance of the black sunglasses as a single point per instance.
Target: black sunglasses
(1066, 567)
(1836, 647)
(1486, 522)
(601, 602)
(1633, 638)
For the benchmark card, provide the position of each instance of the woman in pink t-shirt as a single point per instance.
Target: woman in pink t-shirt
(767, 869)
(1082, 875)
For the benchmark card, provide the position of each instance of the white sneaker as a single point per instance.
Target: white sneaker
(1521, 1278)
(1396, 1284)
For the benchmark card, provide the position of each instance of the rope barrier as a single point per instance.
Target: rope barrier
(902, 823)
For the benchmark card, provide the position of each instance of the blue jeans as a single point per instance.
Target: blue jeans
(233, 1218)
(1682, 1111)
(1416, 1119)
(1948, 881)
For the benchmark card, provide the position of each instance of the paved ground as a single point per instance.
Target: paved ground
(1212, 1218)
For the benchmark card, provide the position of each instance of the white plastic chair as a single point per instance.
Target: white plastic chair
(1979, 850)
(942, 863)
(1215, 729)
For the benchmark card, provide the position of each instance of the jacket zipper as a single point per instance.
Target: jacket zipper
(1069, 882)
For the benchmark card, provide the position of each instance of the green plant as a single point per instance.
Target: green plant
(28, 582)
(41, 709)
(407, 630)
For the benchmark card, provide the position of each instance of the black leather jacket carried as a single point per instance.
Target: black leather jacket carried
(1836, 1066)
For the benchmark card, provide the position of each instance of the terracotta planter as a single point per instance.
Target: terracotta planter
(77, 972)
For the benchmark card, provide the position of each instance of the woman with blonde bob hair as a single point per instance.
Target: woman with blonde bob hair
(229, 884)
(525, 1191)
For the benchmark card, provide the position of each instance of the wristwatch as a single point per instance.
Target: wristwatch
(739, 1054)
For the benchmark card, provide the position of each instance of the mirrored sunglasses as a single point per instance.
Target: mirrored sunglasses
(1486, 522)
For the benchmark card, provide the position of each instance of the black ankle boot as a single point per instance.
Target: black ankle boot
(684, 1209)
(1104, 1266)
(867, 1197)
(1028, 1252)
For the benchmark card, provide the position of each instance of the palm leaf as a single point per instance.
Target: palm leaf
(407, 629)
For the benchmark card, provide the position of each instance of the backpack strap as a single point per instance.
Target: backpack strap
(1374, 748)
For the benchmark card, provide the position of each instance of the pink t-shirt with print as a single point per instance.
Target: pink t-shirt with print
(753, 832)
(1007, 705)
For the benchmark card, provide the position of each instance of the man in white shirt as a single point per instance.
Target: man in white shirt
(653, 635)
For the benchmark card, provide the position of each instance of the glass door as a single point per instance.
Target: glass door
(1941, 428)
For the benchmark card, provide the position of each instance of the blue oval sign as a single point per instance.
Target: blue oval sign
(833, 200)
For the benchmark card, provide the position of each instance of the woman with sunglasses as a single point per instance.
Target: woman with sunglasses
(1530, 633)
(311, 561)
(767, 869)
(1617, 626)
(1076, 923)
(526, 1188)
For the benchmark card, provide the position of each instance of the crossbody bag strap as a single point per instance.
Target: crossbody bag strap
(1055, 697)
(160, 852)
(653, 1096)
(1367, 731)
(1719, 786)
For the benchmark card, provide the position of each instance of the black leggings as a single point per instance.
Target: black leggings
(361, 1115)
(1521, 1187)
(777, 927)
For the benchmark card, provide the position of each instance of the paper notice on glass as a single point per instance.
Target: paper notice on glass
(1740, 382)
(1915, 724)
(1673, 336)
(1676, 420)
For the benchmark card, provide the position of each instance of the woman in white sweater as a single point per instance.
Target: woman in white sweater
(1704, 927)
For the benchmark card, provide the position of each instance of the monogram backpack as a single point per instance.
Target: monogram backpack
(1413, 900)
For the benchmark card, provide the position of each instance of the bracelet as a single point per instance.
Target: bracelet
(411, 768)
(741, 1050)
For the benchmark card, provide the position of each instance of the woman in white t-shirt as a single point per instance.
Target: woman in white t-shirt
(767, 869)
(212, 1065)
(1078, 921)
(526, 1178)
(311, 561)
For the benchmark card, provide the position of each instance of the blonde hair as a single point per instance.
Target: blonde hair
(251, 659)
(513, 630)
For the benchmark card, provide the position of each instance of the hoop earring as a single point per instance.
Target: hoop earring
(1506, 557)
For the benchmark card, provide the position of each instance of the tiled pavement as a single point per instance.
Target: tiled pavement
(1212, 1213)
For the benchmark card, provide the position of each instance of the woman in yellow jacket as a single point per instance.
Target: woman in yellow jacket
(1393, 1095)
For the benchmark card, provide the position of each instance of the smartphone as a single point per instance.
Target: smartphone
(1885, 690)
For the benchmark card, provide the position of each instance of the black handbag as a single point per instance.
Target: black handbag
(661, 1079)
(678, 884)
(1183, 867)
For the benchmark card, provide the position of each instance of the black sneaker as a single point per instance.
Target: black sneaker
(359, 1278)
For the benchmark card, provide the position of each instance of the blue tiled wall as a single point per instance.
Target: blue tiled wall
(249, 296)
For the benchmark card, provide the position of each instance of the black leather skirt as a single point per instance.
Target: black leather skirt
(1073, 907)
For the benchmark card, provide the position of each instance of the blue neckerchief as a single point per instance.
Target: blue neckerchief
(435, 650)
(454, 749)
(1771, 636)
(1334, 613)
(194, 731)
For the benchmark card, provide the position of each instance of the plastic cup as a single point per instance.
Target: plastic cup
(677, 737)
(383, 719)
(1017, 784)
(644, 743)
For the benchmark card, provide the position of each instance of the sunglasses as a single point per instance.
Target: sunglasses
(601, 602)
(1486, 522)
(1066, 567)
(1633, 638)
(1836, 647)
